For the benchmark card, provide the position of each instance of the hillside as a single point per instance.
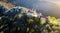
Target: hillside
(23, 20)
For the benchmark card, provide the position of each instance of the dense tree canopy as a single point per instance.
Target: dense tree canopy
(16, 20)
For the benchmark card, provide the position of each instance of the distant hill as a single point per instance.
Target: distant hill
(46, 7)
